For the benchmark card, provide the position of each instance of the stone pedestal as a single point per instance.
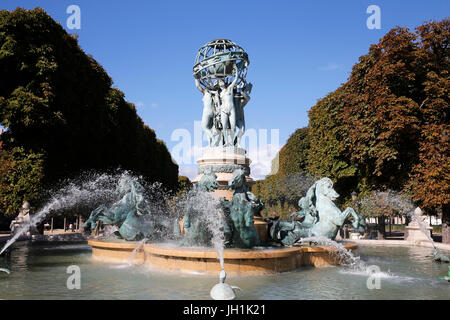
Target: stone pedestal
(414, 233)
(24, 218)
(223, 161)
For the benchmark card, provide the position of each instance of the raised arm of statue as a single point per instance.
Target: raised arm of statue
(236, 78)
(197, 84)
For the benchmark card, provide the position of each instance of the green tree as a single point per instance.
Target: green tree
(430, 182)
(293, 156)
(380, 111)
(21, 175)
(329, 143)
(289, 180)
(59, 102)
(383, 204)
(184, 184)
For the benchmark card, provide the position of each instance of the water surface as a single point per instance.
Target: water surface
(38, 271)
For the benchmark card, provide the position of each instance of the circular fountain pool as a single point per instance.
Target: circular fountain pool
(259, 260)
(40, 272)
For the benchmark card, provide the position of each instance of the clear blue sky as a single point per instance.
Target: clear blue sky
(299, 50)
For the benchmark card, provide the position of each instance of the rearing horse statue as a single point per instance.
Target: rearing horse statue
(321, 217)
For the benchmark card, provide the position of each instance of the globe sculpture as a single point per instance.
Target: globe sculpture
(220, 69)
(217, 59)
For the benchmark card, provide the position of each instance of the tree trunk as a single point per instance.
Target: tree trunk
(445, 223)
(390, 226)
(381, 231)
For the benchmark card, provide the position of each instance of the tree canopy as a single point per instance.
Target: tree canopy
(62, 115)
(387, 126)
(289, 179)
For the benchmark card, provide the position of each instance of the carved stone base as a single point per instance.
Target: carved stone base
(223, 161)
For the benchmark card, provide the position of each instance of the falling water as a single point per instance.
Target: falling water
(89, 191)
(108, 231)
(208, 206)
(5, 270)
(417, 217)
(205, 207)
(342, 255)
(135, 250)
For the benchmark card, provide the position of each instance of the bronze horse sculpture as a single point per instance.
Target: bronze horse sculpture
(321, 217)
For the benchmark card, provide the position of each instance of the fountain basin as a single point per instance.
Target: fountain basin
(200, 260)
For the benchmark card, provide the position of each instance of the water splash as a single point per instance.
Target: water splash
(341, 255)
(84, 192)
(204, 207)
(385, 275)
(5, 270)
(88, 192)
(135, 250)
(209, 213)
(416, 216)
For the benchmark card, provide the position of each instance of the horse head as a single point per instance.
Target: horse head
(209, 180)
(238, 179)
(324, 187)
(124, 185)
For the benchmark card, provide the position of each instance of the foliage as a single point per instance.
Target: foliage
(431, 174)
(59, 102)
(184, 185)
(293, 156)
(21, 174)
(289, 182)
(381, 111)
(385, 128)
(328, 155)
(385, 203)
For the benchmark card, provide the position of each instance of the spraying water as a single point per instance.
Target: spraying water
(341, 254)
(135, 250)
(5, 270)
(416, 216)
(89, 191)
(203, 207)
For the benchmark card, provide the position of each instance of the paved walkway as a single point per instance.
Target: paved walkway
(4, 237)
(443, 246)
(57, 235)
